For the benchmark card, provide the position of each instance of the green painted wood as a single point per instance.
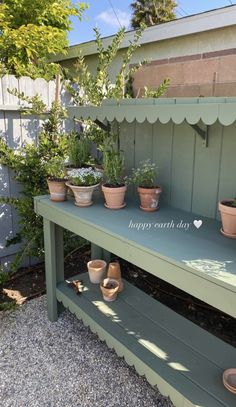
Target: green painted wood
(96, 252)
(54, 264)
(127, 142)
(209, 110)
(206, 173)
(143, 142)
(179, 327)
(180, 257)
(162, 156)
(182, 167)
(227, 182)
(167, 361)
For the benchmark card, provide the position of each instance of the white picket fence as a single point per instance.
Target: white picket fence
(17, 129)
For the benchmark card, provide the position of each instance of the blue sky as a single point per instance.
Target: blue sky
(100, 14)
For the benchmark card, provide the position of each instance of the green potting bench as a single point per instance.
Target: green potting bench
(183, 360)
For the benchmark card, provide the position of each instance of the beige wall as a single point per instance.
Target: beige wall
(205, 75)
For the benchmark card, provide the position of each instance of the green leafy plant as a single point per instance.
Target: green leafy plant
(78, 149)
(113, 163)
(29, 165)
(94, 88)
(84, 176)
(33, 31)
(55, 168)
(156, 93)
(234, 203)
(144, 175)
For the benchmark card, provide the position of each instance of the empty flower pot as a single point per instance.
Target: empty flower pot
(96, 270)
(109, 288)
(115, 273)
(57, 189)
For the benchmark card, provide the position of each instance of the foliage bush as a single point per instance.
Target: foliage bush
(29, 166)
(31, 31)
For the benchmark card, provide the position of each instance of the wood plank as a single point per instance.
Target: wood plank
(180, 257)
(184, 330)
(162, 156)
(143, 142)
(184, 370)
(182, 167)
(5, 210)
(9, 82)
(206, 173)
(227, 184)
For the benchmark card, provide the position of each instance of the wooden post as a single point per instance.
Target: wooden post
(54, 264)
(58, 89)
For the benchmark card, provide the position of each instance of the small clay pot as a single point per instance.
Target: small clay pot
(149, 198)
(114, 272)
(96, 270)
(57, 189)
(109, 288)
(114, 196)
(228, 217)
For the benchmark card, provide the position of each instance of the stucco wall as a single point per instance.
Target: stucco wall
(199, 71)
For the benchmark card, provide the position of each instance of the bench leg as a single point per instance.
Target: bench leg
(54, 264)
(98, 252)
(106, 256)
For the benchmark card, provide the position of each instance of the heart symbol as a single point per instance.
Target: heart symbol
(197, 223)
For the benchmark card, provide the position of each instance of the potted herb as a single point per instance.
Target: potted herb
(114, 188)
(83, 181)
(227, 210)
(78, 150)
(144, 177)
(56, 180)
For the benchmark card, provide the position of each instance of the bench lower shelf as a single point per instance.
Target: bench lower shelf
(184, 361)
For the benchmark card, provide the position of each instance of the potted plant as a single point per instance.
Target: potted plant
(83, 181)
(114, 188)
(227, 210)
(56, 180)
(78, 150)
(144, 177)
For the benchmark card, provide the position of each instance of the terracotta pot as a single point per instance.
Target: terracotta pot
(228, 217)
(115, 273)
(57, 190)
(83, 195)
(97, 270)
(109, 288)
(149, 198)
(114, 197)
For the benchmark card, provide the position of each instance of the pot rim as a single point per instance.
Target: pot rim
(68, 184)
(103, 263)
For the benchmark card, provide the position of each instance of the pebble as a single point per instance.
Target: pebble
(64, 364)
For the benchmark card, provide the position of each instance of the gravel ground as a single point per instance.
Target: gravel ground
(63, 364)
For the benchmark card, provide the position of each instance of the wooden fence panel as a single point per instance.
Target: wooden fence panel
(18, 128)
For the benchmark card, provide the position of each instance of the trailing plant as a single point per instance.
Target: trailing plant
(144, 175)
(78, 149)
(29, 165)
(156, 93)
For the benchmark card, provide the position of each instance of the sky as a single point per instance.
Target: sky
(100, 14)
